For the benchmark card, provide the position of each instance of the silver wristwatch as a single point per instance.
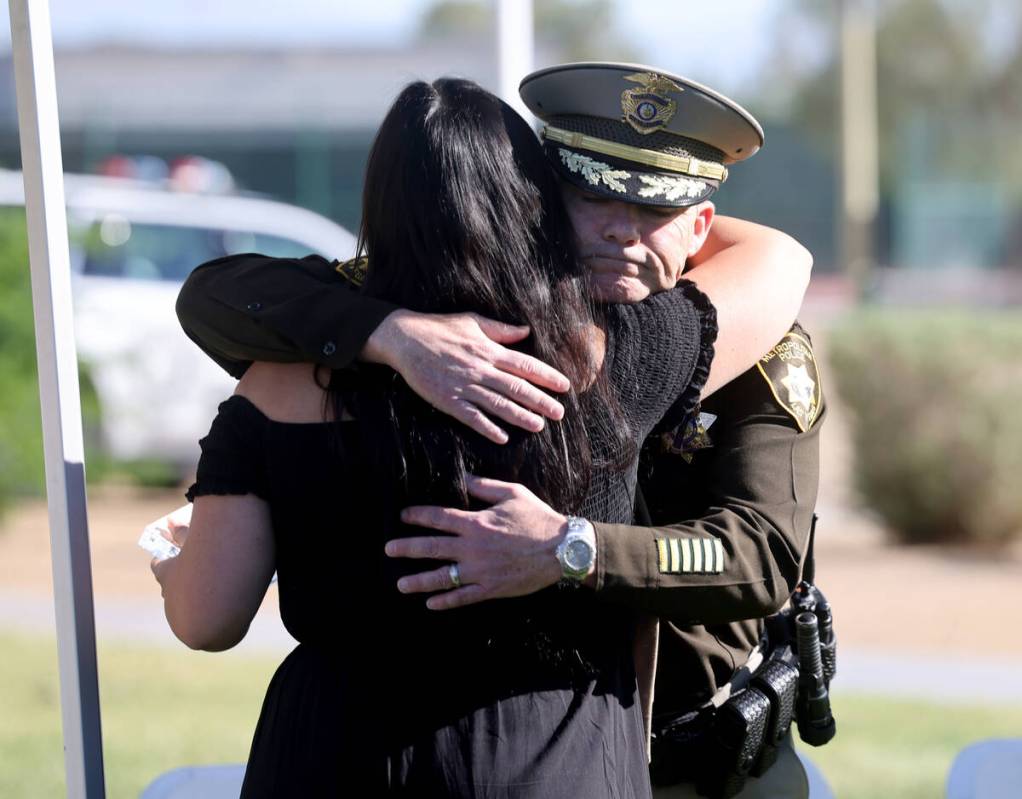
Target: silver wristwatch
(577, 552)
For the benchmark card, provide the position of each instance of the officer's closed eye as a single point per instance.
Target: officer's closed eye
(656, 212)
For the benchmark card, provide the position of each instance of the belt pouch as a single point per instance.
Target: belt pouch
(679, 748)
(735, 742)
(778, 682)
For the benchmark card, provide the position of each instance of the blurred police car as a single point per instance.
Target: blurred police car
(133, 242)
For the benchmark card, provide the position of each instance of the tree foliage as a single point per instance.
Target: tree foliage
(576, 31)
(949, 84)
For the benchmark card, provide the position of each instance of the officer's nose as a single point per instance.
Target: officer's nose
(621, 225)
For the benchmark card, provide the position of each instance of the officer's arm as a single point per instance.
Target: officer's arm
(251, 307)
(742, 557)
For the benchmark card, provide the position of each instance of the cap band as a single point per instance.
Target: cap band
(670, 163)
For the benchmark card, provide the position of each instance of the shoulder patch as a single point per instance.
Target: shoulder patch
(353, 270)
(690, 555)
(791, 372)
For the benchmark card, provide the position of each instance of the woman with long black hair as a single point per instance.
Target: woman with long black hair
(306, 473)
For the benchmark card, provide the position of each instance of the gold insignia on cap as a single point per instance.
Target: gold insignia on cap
(595, 172)
(353, 270)
(690, 555)
(672, 188)
(791, 372)
(647, 108)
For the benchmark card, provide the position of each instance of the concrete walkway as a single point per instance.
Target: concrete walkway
(139, 621)
(953, 679)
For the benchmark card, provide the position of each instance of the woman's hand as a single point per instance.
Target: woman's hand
(161, 567)
(174, 527)
(458, 363)
(507, 550)
(177, 523)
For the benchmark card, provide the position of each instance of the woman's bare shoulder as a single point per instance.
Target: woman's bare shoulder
(285, 392)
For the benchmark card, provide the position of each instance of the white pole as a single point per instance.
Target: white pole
(515, 50)
(58, 390)
(860, 194)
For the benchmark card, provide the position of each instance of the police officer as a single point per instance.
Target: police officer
(741, 474)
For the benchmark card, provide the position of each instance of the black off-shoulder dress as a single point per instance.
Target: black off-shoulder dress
(518, 699)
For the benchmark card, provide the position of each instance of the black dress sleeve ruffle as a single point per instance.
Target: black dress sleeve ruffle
(706, 316)
(233, 456)
(660, 351)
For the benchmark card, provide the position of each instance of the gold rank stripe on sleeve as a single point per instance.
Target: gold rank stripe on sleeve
(690, 555)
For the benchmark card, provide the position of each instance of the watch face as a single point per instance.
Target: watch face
(578, 554)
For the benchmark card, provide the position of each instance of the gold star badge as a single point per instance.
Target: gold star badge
(801, 387)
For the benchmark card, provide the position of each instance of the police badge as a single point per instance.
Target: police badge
(648, 108)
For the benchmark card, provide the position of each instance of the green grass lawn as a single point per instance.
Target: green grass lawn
(903, 749)
(161, 708)
(166, 708)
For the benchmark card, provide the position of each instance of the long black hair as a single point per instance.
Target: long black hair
(462, 212)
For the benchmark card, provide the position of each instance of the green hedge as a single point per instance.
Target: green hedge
(21, 454)
(21, 443)
(936, 425)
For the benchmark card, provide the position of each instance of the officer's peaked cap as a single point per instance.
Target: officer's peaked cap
(638, 134)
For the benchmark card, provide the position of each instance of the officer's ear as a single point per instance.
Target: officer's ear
(701, 224)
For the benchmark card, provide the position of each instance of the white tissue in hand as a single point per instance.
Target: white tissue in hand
(154, 542)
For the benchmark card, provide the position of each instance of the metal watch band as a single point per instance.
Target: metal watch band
(577, 552)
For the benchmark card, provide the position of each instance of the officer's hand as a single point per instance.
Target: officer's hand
(458, 364)
(506, 550)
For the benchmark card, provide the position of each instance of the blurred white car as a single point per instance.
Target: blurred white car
(132, 245)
